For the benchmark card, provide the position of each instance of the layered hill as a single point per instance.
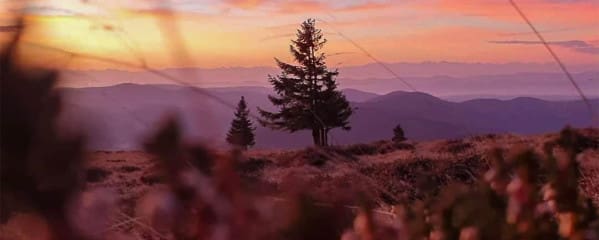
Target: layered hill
(119, 117)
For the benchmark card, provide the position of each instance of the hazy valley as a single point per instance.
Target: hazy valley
(118, 117)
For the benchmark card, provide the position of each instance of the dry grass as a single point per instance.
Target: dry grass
(398, 174)
(401, 173)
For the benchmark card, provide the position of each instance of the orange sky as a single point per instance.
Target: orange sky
(226, 33)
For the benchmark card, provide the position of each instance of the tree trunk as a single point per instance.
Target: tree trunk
(320, 137)
(323, 137)
(316, 136)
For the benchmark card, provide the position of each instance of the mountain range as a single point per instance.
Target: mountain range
(458, 81)
(119, 117)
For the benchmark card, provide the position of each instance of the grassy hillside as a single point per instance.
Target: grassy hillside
(380, 174)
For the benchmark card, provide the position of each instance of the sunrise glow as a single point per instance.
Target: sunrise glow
(214, 33)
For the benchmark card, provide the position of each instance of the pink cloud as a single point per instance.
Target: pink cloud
(245, 4)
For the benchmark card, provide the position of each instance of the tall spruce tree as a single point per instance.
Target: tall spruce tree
(241, 133)
(306, 94)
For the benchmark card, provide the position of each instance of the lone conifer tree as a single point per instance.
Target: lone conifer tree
(398, 134)
(241, 133)
(306, 94)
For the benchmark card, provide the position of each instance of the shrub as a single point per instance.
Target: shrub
(96, 174)
(128, 169)
(455, 146)
(378, 147)
(361, 149)
(388, 147)
(115, 160)
(253, 165)
(484, 137)
(151, 179)
(316, 156)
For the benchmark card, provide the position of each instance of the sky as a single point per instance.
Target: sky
(249, 33)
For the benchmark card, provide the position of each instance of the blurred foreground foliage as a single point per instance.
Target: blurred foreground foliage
(524, 194)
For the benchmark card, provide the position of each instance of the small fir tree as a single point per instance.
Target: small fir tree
(241, 133)
(398, 134)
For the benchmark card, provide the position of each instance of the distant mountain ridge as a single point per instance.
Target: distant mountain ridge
(459, 86)
(121, 116)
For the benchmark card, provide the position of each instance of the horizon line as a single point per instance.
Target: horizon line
(126, 69)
